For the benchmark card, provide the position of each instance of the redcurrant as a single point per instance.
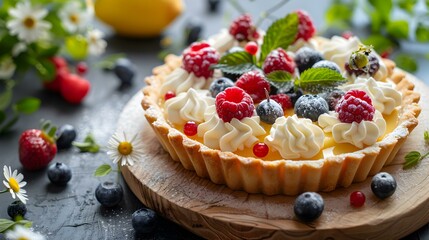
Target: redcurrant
(357, 199)
(260, 150)
(190, 128)
(251, 48)
(169, 94)
(81, 68)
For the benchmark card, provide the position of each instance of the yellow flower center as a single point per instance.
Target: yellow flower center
(125, 148)
(14, 184)
(74, 18)
(29, 22)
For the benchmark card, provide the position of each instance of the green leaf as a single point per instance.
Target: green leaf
(398, 29)
(279, 79)
(236, 58)
(236, 69)
(27, 105)
(280, 34)
(103, 170)
(315, 80)
(25, 223)
(406, 62)
(407, 5)
(379, 42)
(422, 33)
(6, 224)
(426, 135)
(45, 69)
(46, 50)
(5, 99)
(88, 145)
(383, 7)
(411, 159)
(338, 12)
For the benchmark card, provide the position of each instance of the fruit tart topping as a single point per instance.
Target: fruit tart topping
(311, 106)
(251, 48)
(278, 60)
(260, 150)
(383, 185)
(220, 85)
(232, 103)
(357, 199)
(243, 29)
(308, 206)
(190, 128)
(306, 57)
(306, 29)
(198, 57)
(254, 83)
(332, 98)
(327, 64)
(355, 106)
(283, 99)
(371, 68)
(169, 94)
(269, 110)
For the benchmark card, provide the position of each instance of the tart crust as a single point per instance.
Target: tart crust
(289, 177)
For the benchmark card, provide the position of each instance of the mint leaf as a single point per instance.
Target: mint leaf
(6, 224)
(406, 62)
(27, 105)
(279, 79)
(280, 34)
(316, 80)
(411, 159)
(236, 58)
(398, 29)
(235, 69)
(103, 170)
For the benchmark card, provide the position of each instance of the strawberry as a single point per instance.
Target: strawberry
(74, 88)
(37, 148)
(61, 70)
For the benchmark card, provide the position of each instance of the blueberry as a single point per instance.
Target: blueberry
(371, 68)
(109, 194)
(124, 70)
(269, 110)
(232, 76)
(332, 98)
(383, 185)
(193, 31)
(213, 5)
(65, 135)
(59, 174)
(327, 64)
(308, 206)
(16, 209)
(219, 85)
(306, 57)
(311, 106)
(144, 220)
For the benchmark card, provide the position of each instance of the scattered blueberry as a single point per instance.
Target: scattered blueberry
(65, 135)
(16, 209)
(124, 70)
(232, 76)
(311, 106)
(383, 185)
(306, 57)
(308, 206)
(59, 173)
(109, 194)
(269, 110)
(327, 64)
(219, 85)
(144, 220)
(193, 31)
(332, 98)
(213, 5)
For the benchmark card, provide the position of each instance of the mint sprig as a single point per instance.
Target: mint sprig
(236, 63)
(315, 80)
(103, 170)
(279, 79)
(235, 69)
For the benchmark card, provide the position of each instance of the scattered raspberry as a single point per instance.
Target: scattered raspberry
(251, 48)
(306, 29)
(198, 58)
(190, 128)
(279, 60)
(254, 83)
(169, 94)
(283, 99)
(355, 106)
(74, 88)
(234, 103)
(243, 29)
(261, 150)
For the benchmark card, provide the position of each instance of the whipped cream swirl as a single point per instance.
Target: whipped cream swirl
(181, 80)
(295, 137)
(232, 136)
(358, 134)
(339, 49)
(188, 106)
(385, 98)
(222, 41)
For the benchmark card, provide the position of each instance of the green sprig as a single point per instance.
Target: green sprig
(415, 157)
(88, 144)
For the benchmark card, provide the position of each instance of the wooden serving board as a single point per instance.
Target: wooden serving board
(217, 212)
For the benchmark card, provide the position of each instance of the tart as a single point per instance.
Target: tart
(304, 155)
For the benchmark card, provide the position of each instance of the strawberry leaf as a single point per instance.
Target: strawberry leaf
(235, 69)
(279, 79)
(315, 80)
(103, 170)
(280, 34)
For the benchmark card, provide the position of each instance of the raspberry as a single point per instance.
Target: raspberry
(306, 29)
(279, 60)
(234, 103)
(254, 84)
(355, 106)
(283, 99)
(372, 66)
(198, 58)
(243, 29)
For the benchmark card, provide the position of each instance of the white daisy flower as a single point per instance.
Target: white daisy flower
(73, 17)
(19, 233)
(14, 184)
(27, 22)
(19, 48)
(7, 68)
(96, 43)
(120, 149)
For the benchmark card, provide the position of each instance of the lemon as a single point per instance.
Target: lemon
(138, 18)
